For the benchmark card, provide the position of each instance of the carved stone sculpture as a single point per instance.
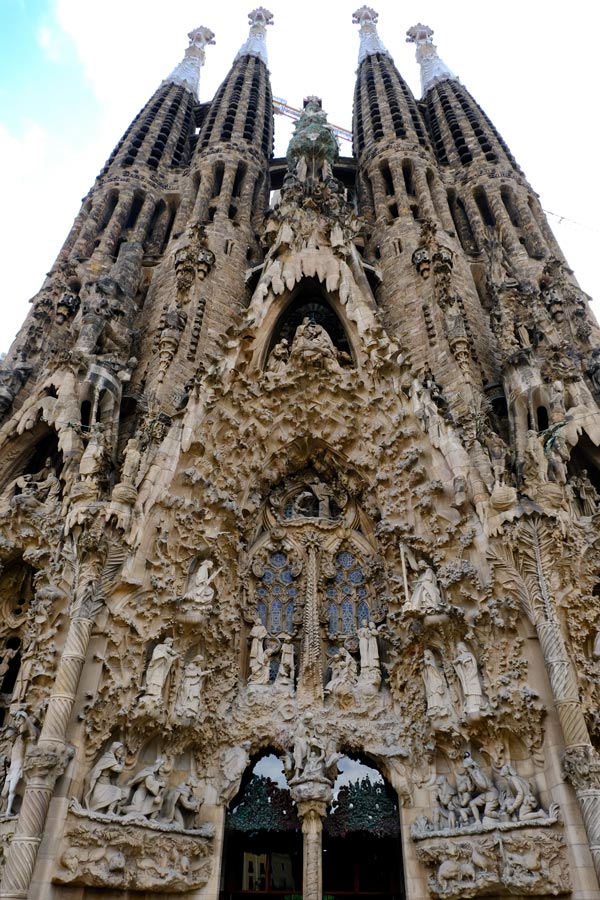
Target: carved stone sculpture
(104, 794)
(157, 673)
(465, 666)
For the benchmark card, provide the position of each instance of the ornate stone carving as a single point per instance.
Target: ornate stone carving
(526, 862)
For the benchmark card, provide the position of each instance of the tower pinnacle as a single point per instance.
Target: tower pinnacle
(432, 67)
(370, 42)
(187, 73)
(256, 45)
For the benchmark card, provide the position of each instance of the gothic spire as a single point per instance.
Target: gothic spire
(370, 42)
(256, 45)
(433, 69)
(187, 73)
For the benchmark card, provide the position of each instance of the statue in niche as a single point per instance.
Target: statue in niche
(148, 790)
(131, 462)
(465, 666)
(535, 464)
(426, 597)
(8, 653)
(313, 346)
(498, 452)
(344, 674)
(190, 693)
(285, 672)
(278, 360)
(588, 497)
(436, 687)
(370, 669)
(200, 590)
(25, 733)
(521, 804)
(31, 492)
(486, 802)
(92, 461)
(157, 673)
(558, 456)
(260, 657)
(596, 646)
(103, 794)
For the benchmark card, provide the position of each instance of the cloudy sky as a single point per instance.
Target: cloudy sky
(73, 73)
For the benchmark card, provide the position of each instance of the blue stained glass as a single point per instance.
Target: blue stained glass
(347, 617)
(286, 576)
(345, 559)
(363, 612)
(289, 618)
(339, 576)
(362, 592)
(331, 592)
(333, 618)
(268, 576)
(273, 669)
(261, 592)
(347, 589)
(292, 592)
(356, 576)
(275, 589)
(276, 610)
(261, 609)
(278, 560)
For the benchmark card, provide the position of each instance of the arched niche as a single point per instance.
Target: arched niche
(362, 855)
(309, 300)
(27, 454)
(262, 855)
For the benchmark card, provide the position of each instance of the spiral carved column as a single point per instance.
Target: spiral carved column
(45, 763)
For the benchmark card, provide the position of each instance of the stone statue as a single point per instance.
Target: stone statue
(535, 464)
(260, 658)
(521, 803)
(443, 804)
(131, 462)
(103, 794)
(588, 496)
(465, 666)
(157, 673)
(344, 674)
(436, 687)
(94, 455)
(179, 804)
(313, 346)
(190, 692)
(370, 669)
(285, 672)
(148, 790)
(426, 597)
(278, 358)
(25, 733)
(485, 795)
(201, 590)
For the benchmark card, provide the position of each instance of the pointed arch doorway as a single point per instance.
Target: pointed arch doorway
(361, 849)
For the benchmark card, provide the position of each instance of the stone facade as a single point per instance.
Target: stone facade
(300, 457)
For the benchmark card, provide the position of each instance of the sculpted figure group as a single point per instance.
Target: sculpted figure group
(477, 802)
(147, 795)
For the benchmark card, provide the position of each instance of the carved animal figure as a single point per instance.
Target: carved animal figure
(455, 870)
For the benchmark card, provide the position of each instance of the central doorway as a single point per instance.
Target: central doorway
(362, 855)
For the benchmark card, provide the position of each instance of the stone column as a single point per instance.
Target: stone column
(581, 762)
(46, 762)
(312, 799)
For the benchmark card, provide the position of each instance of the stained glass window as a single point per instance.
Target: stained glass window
(347, 595)
(275, 594)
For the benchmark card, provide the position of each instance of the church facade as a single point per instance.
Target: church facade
(298, 513)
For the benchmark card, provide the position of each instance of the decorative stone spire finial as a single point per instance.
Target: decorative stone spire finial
(432, 67)
(187, 73)
(370, 42)
(256, 45)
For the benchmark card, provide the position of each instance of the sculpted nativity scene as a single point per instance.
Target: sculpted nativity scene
(298, 509)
